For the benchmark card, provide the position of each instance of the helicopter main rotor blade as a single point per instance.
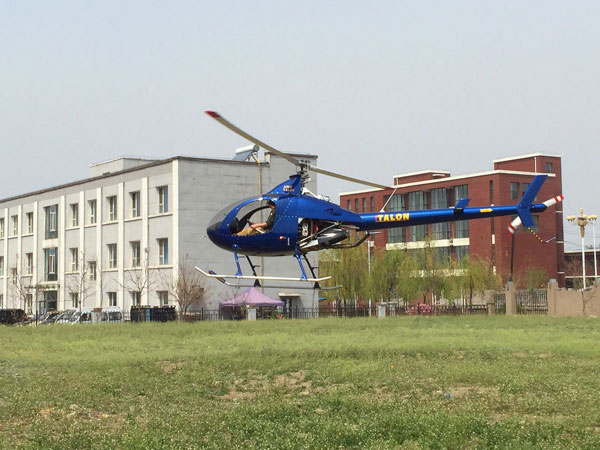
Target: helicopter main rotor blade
(258, 142)
(347, 178)
(287, 156)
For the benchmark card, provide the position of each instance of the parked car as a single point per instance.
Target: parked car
(88, 315)
(12, 316)
(67, 316)
(48, 317)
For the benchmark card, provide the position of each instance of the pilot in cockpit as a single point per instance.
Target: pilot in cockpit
(261, 227)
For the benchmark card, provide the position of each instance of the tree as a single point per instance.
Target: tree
(381, 283)
(433, 271)
(348, 268)
(187, 286)
(393, 276)
(81, 282)
(138, 279)
(536, 278)
(480, 277)
(21, 285)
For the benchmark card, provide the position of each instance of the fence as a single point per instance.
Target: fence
(532, 302)
(527, 302)
(500, 302)
(454, 310)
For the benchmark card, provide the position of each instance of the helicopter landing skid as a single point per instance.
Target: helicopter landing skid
(241, 284)
(223, 278)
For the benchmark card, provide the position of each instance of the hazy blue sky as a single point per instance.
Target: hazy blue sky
(374, 88)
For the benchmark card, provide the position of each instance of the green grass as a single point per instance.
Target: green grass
(405, 382)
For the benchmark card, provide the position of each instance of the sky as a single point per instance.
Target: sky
(373, 88)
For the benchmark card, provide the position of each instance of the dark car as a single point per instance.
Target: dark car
(48, 317)
(12, 316)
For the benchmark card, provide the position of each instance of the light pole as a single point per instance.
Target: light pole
(582, 220)
(593, 219)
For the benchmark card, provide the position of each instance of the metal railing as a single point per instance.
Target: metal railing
(532, 302)
(500, 302)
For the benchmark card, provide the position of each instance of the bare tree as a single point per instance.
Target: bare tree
(21, 285)
(187, 287)
(82, 282)
(138, 279)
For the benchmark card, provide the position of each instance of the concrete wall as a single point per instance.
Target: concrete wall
(563, 302)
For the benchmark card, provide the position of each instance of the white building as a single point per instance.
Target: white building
(91, 243)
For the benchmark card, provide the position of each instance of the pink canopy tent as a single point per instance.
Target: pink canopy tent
(251, 296)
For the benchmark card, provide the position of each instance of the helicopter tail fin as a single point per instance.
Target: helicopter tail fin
(527, 200)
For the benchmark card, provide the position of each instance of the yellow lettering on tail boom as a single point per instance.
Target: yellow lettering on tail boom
(398, 217)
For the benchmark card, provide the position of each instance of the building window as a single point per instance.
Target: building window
(92, 210)
(514, 191)
(1, 227)
(442, 255)
(462, 252)
(491, 192)
(15, 225)
(163, 252)
(92, 268)
(417, 201)
(74, 259)
(112, 208)
(50, 264)
(355, 205)
(112, 256)
(136, 298)
(439, 200)
(163, 297)
(461, 227)
(51, 213)
(1, 266)
(135, 204)
(112, 298)
(75, 299)
(29, 263)
(163, 199)
(372, 204)
(29, 223)
(135, 253)
(396, 203)
(364, 202)
(349, 206)
(549, 167)
(1, 301)
(74, 214)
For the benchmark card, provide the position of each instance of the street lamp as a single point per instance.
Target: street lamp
(582, 220)
(593, 219)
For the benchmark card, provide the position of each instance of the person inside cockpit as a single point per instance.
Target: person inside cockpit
(260, 227)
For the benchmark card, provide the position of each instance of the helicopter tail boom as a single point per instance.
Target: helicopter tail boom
(523, 211)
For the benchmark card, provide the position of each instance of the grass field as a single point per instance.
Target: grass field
(405, 382)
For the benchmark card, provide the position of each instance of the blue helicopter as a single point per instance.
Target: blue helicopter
(300, 222)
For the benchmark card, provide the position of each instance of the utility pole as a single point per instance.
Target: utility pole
(582, 220)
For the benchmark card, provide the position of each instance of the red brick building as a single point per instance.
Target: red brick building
(483, 238)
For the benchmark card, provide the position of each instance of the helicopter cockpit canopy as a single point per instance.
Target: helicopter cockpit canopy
(252, 209)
